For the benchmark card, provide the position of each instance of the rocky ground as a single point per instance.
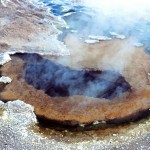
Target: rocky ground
(25, 27)
(19, 130)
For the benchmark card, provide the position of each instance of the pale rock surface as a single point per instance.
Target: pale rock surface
(5, 79)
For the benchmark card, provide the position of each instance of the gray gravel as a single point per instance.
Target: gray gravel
(15, 133)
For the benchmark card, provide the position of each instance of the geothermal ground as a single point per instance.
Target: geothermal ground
(28, 36)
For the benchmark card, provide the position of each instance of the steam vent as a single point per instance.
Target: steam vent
(91, 73)
(68, 96)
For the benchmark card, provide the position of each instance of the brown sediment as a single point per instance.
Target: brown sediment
(77, 110)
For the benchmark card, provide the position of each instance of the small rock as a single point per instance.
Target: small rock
(5, 79)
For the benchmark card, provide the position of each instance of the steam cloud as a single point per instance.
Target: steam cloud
(57, 80)
(104, 17)
(117, 19)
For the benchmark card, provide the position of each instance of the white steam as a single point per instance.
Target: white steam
(117, 7)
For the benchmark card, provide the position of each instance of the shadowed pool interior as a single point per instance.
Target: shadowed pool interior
(57, 80)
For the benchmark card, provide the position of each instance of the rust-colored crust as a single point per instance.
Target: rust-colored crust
(79, 109)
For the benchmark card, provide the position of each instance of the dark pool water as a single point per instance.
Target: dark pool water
(57, 80)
